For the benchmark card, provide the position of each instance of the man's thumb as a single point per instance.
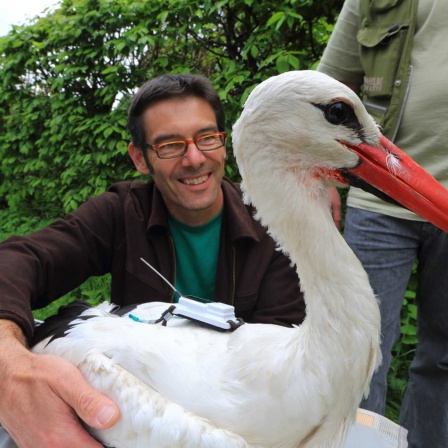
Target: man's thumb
(97, 410)
(107, 416)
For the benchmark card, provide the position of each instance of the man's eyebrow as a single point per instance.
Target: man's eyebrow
(167, 137)
(173, 137)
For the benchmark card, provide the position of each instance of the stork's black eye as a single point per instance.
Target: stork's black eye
(338, 113)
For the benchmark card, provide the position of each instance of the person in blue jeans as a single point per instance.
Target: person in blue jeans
(394, 54)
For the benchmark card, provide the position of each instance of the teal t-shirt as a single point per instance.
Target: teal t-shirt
(196, 256)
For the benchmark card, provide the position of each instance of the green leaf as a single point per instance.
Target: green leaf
(282, 64)
(278, 16)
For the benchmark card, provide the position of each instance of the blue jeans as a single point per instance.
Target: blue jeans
(387, 248)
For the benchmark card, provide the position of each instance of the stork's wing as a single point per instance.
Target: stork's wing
(147, 418)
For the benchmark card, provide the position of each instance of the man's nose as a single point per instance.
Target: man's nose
(193, 156)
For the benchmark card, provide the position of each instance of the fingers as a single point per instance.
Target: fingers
(335, 206)
(52, 394)
(93, 408)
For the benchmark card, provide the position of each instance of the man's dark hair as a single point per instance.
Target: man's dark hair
(166, 87)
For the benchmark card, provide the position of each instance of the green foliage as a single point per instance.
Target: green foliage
(66, 79)
(95, 291)
(409, 313)
(16, 223)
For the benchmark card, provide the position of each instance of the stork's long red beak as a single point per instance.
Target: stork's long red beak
(390, 170)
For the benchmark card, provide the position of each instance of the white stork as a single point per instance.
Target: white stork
(184, 385)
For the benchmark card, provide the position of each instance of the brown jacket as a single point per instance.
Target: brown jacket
(110, 233)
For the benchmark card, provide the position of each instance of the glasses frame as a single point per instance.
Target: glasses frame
(187, 142)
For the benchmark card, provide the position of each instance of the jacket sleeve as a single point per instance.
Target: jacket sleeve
(41, 267)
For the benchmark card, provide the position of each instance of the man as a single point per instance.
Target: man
(396, 50)
(188, 215)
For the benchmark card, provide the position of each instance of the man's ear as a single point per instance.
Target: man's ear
(137, 157)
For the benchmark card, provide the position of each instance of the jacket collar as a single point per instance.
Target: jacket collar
(238, 216)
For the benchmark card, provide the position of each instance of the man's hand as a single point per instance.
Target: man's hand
(335, 206)
(41, 397)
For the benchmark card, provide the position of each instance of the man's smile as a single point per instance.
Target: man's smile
(195, 180)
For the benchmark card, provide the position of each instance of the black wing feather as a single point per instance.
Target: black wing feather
(57, 325)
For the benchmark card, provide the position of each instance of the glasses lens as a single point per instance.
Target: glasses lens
(171, 149)
(210, 142)
(207, 142)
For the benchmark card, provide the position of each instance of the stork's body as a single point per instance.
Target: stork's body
(250, 382)
(272, 386)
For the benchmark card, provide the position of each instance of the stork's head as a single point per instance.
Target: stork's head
(308, 122)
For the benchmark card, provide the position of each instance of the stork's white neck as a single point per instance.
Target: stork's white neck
(338, 296)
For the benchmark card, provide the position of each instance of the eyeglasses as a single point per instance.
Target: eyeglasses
(170, 150)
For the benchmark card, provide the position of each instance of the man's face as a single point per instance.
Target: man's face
(190, 184)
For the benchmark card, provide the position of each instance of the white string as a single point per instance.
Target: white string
(161, 276)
